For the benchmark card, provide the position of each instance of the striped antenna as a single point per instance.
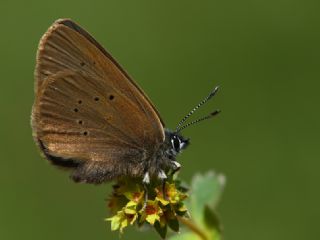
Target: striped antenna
(212, 93)
(214, 113)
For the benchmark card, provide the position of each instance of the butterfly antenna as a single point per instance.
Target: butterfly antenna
(214, 113)
(212, 93)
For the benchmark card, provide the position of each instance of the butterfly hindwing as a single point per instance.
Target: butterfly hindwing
(87, 110)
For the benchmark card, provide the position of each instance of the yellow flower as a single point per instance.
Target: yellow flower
(131, 210)
(171, 194)
(152, 212)
(128, 215)
(136, 195)
(128, 206)
(118, 221)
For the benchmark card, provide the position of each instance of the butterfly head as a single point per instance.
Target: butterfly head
(176, 142)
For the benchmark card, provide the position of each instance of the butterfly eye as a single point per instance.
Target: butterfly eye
(176, 143)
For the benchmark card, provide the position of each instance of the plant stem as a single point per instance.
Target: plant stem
(194, 228)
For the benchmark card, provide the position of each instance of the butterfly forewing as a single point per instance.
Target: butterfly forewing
(88, 109)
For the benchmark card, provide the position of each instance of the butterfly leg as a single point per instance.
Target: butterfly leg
(145, 182)
(162, 175)
(164, 189)
(146, 178)
(163, 178)
(175, 167)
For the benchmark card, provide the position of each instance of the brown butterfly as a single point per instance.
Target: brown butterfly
(91, 117)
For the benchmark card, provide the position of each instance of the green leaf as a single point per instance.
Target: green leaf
(212, 223)
(206, 190)
(174, 224)
(162, 231)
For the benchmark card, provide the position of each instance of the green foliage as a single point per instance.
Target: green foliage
(206, 191)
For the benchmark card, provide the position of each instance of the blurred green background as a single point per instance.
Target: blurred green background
(265, 55)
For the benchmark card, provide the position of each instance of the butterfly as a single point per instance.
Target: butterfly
(90, 117)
